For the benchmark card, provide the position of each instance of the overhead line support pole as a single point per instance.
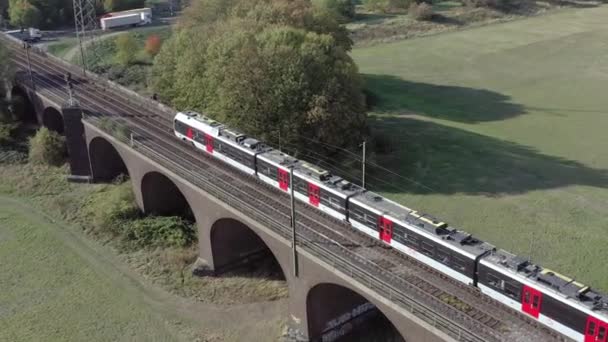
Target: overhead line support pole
(363, 166)
(27, 47)
(293, 224)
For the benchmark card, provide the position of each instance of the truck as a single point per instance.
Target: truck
(137, 17)
(31, 34)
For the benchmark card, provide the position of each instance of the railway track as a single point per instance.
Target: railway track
(460, 303)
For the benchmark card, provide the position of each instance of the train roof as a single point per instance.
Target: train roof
(423, 223)
(326, 178)
(564, 286)
(279, 158)
(205, 120)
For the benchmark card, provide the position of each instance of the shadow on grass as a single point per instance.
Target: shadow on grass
(469, 105)
(449, 160)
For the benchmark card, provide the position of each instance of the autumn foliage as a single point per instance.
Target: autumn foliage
(153, 44)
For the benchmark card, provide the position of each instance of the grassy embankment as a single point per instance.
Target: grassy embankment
(53, 291)
(506, 126)
(81, 261)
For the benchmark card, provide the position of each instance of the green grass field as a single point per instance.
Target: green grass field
(53, 291)
(506, 125)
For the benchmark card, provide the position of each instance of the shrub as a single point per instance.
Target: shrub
(345, 9)
(421, 11)
(47, 147)
(126, 49)
(153, 44)
(156, 231)
(386, 5)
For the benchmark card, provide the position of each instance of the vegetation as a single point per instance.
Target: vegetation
(387, 6)
(40, 13)
(47, 148)
(500, 150)
(343, 9)
(268, 67)
(126, 49)
(66, 284)
(24, 14)
(121, 5)
(421, 11)
(153, 44)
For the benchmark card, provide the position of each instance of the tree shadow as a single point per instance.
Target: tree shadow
(391, 94)
(449, 160)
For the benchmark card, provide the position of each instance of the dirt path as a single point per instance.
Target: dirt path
(69, 55)
(248, 322)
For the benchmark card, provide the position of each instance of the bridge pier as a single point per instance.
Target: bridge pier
(325, 302)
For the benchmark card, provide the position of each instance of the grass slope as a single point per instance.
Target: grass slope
(51, 292)
(506, 126)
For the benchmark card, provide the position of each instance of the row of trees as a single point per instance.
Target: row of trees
(49, 14)
(268, 67)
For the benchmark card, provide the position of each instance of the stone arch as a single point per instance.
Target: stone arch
(52, 119)
(337, 313)
(23, 106)
(106, 162)
(161, 196)
(234, 244)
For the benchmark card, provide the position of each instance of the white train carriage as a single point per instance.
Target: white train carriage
(273, 167)
(420, 236)
(322, 190)
(557, 301)
(228, 145)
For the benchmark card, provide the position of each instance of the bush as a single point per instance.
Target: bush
(421, 11)
(47, 147)
(126, 49)
(387, 6)
(156, 231)
(153, 44)
(344, 9)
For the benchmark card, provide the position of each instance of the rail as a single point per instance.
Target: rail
(330, 252)
(338, 261)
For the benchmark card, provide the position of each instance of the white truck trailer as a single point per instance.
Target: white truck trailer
(139, 17)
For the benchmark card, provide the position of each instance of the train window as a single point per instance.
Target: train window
(535, 301)
(527, 297)
(412, 241)
(591, 330)
(334, 202)
(427, 248)
(459, 263)
(601, 334)
(443, 256)
(511, 290)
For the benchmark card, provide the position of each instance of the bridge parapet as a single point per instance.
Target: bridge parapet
(322, 260)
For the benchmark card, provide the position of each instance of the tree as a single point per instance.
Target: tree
(265, 66)
(126, 49)
(153, 44)
(344, 9)
(122, 5)
(23, 14)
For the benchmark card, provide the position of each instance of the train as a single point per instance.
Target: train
(559, 302)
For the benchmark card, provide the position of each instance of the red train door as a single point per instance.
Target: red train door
(531, 300)
(313, 194)
(190, 133)
(386, 229)
(283, 177)
(209, 143)
(596, 330)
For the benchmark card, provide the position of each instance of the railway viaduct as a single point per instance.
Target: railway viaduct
(325, 303)
(333, 291)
